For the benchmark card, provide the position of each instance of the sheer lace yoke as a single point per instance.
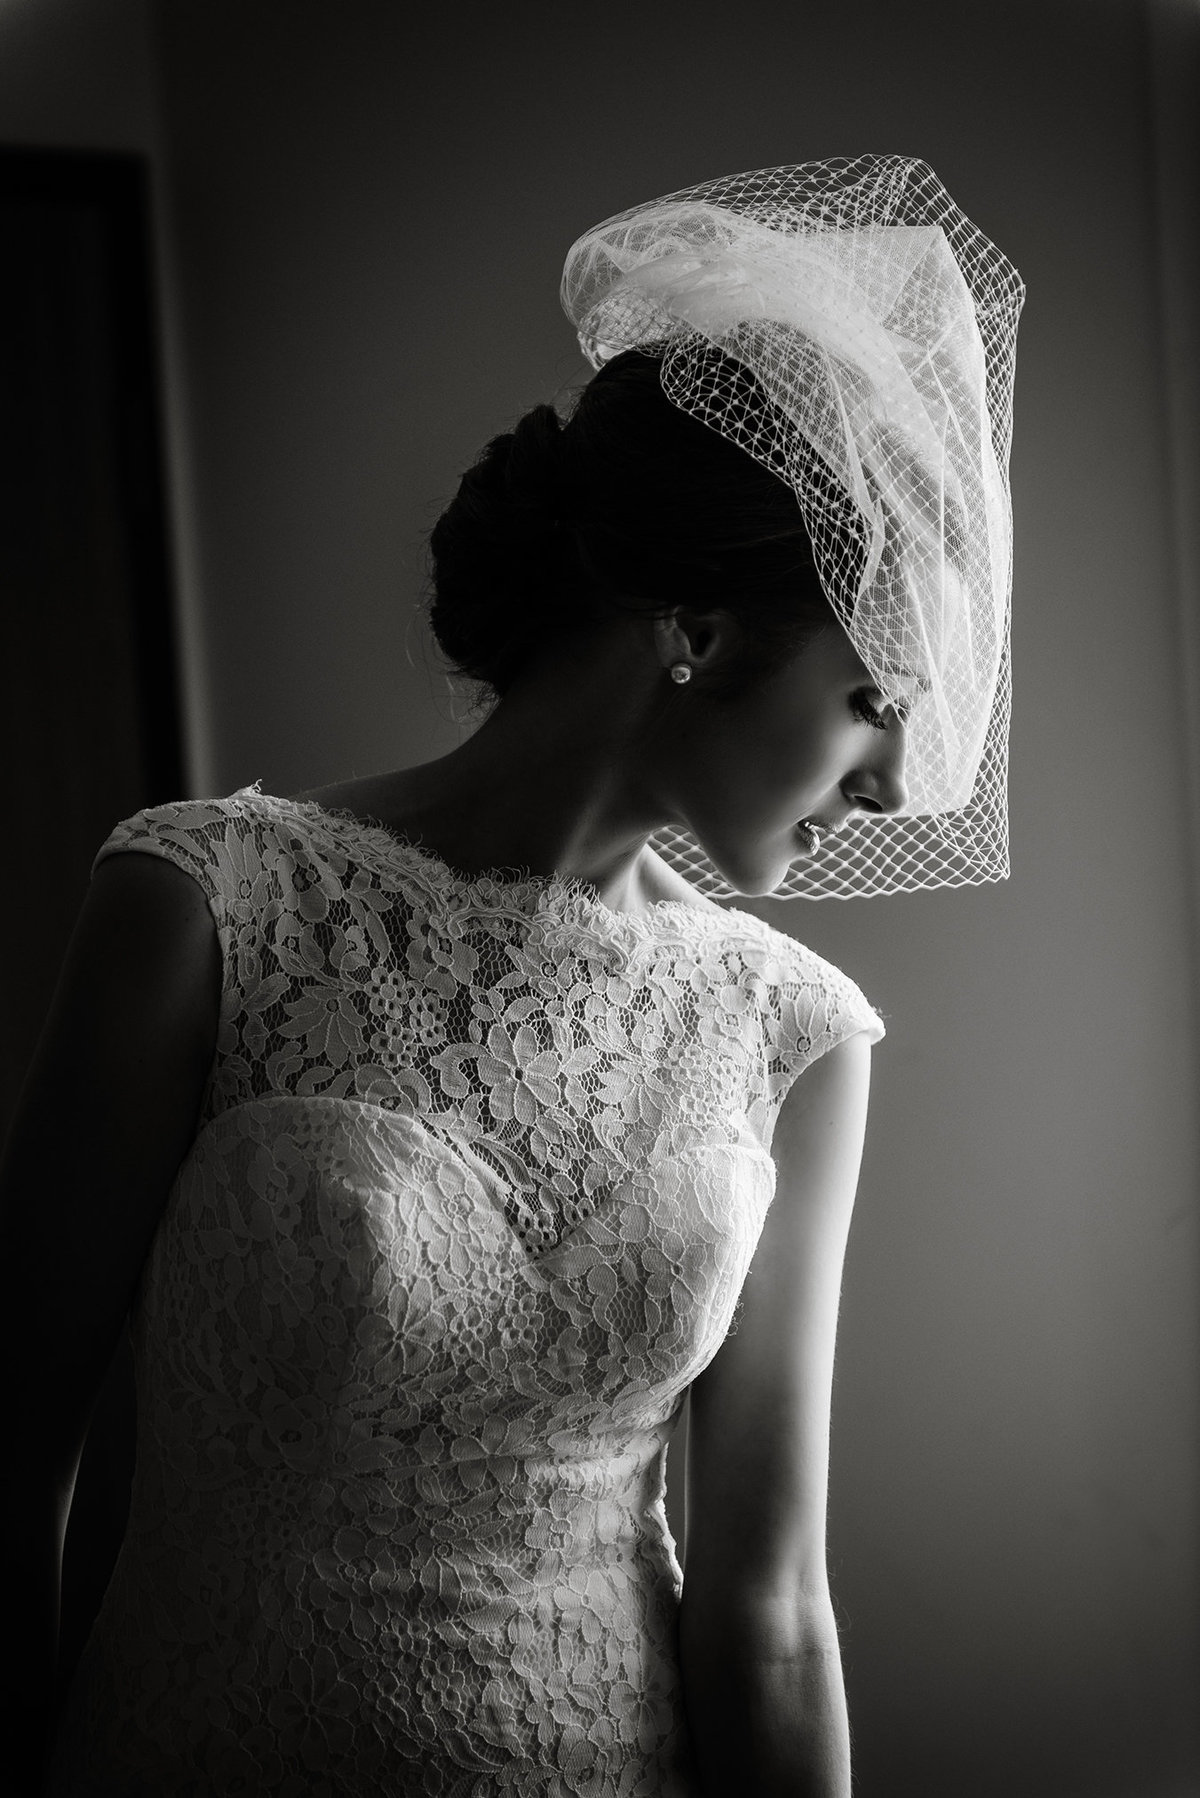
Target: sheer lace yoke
(512, 889)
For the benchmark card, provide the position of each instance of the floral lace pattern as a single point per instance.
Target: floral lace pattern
(481, 1168)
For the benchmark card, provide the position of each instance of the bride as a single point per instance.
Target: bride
(441, 1132)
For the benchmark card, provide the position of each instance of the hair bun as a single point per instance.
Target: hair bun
(500, 551)
(534, 473)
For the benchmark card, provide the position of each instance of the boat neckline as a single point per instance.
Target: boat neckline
(493, 887)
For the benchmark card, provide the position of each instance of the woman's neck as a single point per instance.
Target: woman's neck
(558, 779)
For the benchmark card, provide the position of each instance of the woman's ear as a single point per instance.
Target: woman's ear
(706, 641)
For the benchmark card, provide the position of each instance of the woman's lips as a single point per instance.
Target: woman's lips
(812, 833)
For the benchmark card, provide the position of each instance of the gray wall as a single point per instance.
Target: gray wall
(78, 74)
(364, 219)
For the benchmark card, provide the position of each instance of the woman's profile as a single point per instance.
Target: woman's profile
(442, 1131)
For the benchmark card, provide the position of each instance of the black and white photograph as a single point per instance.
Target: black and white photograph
(600, 1093)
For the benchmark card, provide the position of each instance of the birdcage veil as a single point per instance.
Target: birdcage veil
(878, 326)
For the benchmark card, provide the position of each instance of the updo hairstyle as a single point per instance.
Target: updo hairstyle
(629, 505)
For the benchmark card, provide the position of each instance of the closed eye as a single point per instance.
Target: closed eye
(870, 707)
(863, 703)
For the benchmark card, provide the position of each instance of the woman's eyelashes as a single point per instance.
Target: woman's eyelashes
(863, 703)
(870, 707)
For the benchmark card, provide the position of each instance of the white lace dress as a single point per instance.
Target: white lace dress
(481, 1167)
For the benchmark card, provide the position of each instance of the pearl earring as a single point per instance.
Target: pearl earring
(681, 673)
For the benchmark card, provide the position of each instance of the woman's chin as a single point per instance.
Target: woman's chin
(755, 876)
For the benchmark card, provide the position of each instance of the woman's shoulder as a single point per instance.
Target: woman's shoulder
(799, 995)
(191, 821)
(805, 996)
(722, 924)
(219, 842)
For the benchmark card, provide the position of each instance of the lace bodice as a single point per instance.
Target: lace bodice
(480, 1171)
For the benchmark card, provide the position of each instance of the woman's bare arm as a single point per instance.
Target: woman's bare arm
(761, 1667)
(106, 1115)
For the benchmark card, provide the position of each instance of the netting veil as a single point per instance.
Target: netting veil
(878, 325)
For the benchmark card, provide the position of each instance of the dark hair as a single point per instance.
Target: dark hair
(629, 505)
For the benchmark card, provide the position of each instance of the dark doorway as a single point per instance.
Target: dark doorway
(88, 685)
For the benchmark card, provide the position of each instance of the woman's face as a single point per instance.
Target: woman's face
(814, 740)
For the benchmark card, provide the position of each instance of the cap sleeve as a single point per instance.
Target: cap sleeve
(812, 1006)
(245, 864)
(212, 840)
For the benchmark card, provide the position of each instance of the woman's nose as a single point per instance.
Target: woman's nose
(880, 786)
